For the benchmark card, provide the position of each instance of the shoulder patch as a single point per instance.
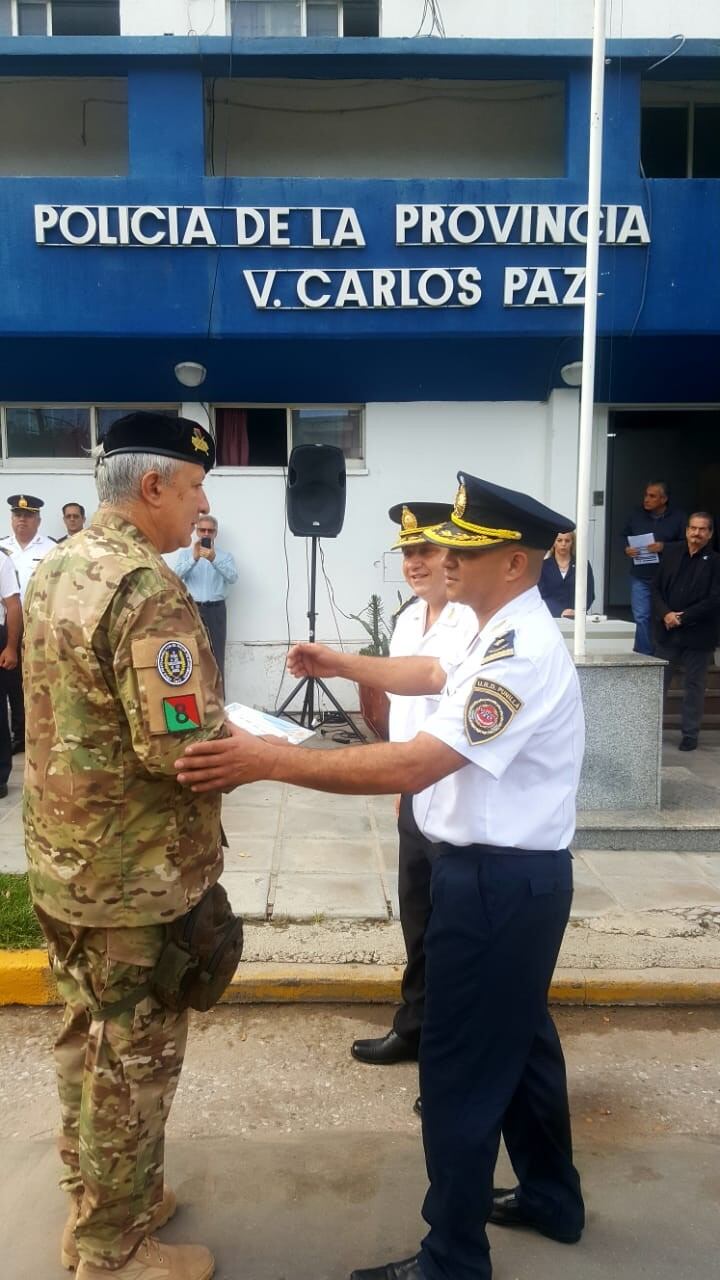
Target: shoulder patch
(501, 647)
(488, 711)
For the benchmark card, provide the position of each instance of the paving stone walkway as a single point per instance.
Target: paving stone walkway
(304, 856)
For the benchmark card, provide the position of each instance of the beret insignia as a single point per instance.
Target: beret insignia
(199, 443)
(501, 647)
(488, 711)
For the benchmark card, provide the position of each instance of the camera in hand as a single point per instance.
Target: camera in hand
(206, 542)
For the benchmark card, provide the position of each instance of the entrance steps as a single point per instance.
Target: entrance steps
(711, 713)
(688, 820)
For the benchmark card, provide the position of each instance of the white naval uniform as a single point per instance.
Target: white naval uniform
(8, 584)
(26, 559)
(448, 638)
(517, 718)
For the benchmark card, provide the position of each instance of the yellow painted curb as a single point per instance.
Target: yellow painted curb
(25, 980)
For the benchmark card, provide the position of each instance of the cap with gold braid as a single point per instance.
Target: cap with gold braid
(24, 504)
(485, 515)
(414, 518)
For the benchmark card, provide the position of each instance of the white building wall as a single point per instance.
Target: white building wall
(554, 19)
(413, 452)
(481, 19)
(173, 17)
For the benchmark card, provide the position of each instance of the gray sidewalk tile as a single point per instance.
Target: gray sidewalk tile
(636, 893)
(391, 884)
(248, 892)
(254, 853)
(325, 824)
(304, 797)
(302, 897)
(12, 855)
(385, 819)
(641, 866)
(250, 821)
(591, 897)
(255, 794)
(346, 857)
(390, 851)
(709, 864)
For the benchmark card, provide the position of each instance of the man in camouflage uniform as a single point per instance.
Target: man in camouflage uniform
(120, 673)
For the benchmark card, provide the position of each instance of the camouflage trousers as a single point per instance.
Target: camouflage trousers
(116, 1079)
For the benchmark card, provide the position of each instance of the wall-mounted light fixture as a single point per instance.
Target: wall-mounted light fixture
(190, 374)
(571, 374)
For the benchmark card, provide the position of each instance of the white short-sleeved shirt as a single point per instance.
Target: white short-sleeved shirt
(8, 584)
(512, 707)
(448, 639)
(26, 559)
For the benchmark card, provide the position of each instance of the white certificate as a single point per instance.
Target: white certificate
(642, 542)
(263, 725)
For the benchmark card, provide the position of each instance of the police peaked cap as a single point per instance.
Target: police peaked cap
(485, 515)
(155, 433)
(414, 518)
(25, 504)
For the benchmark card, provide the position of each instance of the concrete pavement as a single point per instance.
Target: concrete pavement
(294, 1162)
(315, 877)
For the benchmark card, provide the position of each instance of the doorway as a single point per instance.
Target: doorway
(679, 446)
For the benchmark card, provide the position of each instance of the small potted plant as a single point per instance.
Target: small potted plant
(374, 703)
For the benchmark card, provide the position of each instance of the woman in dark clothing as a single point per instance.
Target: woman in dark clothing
(557, 580)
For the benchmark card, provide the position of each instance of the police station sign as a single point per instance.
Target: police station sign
(473, 229)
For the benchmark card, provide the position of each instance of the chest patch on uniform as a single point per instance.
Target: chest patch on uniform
(181, 713)
(488, 711)
(174, 663)
(501, 647)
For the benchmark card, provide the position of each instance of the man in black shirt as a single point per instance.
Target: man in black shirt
(666, 525)
(687, 612)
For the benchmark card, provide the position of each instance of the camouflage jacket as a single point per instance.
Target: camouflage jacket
(118, 675)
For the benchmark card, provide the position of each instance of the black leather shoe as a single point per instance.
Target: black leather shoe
(417, 1107)
(18, 746)
(3, 790)
(687, 744)
(391, 1048)
(408, 1269)
(506, 1212)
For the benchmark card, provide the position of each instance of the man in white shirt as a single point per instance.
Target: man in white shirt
(427, 624)
(494, 773)
(10, 633)
(208, 574)
(26, 546)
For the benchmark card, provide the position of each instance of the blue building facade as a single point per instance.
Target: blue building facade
(365, 289)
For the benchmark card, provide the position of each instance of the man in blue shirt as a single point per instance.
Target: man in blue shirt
(207, 574)
(666, 525)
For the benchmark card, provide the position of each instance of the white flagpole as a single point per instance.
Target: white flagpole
(587, 386)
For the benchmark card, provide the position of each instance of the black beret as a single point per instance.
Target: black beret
(485, 515)
(25, 503)
(414, 518)
(157, 433)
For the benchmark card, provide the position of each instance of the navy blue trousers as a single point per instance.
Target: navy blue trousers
(490, 1057)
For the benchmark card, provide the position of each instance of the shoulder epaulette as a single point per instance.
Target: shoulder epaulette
(501, 647)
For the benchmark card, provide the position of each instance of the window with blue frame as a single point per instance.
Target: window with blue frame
(265, 435)
(60, 17)
(259, 19)
(680, 130)
(61, 432)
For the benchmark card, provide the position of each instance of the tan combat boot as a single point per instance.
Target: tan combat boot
(69, 1255)
(156, 1261)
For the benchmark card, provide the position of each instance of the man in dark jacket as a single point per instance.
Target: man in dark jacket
(666, 525)
(687, 612)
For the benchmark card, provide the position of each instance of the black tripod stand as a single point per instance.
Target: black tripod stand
(306, 717)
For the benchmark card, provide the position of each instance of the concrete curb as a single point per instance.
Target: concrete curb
(25, 979)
